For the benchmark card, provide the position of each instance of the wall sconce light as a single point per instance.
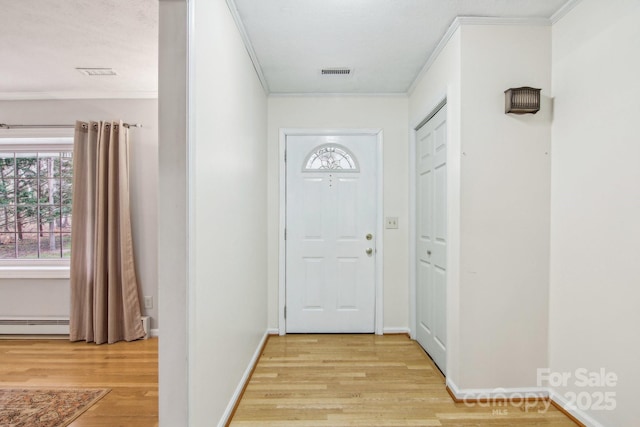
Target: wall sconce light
(522, 100)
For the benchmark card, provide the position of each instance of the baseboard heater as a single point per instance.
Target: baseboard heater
(46, 326)
(34, 326)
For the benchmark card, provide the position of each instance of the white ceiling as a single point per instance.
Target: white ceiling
(43, 41)
(385, 42)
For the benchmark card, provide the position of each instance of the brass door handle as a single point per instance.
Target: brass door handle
(369, 251)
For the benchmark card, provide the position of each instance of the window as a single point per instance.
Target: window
(330, 158)
(35, 199)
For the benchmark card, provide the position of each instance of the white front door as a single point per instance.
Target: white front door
(431, 227)
(330, 226)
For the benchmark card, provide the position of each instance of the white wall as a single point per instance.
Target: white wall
(504, 199)
(498, 202)
(50, 297)
(228, 238)
(334, 112)
(595, 206)
(173, 354)
(442, 80)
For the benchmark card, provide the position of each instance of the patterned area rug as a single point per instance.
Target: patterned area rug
(44, 407)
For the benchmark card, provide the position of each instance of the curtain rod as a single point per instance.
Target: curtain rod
(6, 126)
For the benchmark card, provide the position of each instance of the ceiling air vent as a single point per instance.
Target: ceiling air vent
(342, 71)
(97, 71)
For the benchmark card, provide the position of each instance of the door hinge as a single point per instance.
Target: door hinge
(285, 311)
(285, 234)
(285, 156)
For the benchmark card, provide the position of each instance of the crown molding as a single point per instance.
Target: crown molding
(436, 52)
(247, 44)
(33, 96)
(488, 20)
(337, 94)
(562, 12)
(471, 20)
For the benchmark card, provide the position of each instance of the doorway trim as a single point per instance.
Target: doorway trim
(379, 255)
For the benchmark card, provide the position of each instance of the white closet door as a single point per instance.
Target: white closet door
(431, 250)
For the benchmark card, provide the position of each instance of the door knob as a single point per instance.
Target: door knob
(429, 253)
(369, 251)
(369, 236)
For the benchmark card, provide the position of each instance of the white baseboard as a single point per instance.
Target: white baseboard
(574, 412)
(503, 399)
(496, 393)
(273, 331)
(395, 330)
(245, 378)
(154, 333)
(517, 393)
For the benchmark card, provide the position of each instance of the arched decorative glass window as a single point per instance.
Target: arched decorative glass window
(330, 158)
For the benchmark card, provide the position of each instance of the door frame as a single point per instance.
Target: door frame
(379, 254)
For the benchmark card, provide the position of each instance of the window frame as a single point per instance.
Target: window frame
(36, 268)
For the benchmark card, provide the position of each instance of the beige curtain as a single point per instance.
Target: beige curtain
(105, 306)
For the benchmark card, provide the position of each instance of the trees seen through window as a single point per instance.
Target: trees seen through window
(35, 204)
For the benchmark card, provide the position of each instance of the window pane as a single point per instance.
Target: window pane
(50, 245)
(26, 220)
(66, 190)
(50, 191)
(7, 193)
(49, 165)
(66, 165)
(66, 245)
(27, 191)
(7, 219)
(65, 220)
(28, 246)
(26, 165)
(7, 245)
(330, 157)
(49, 218)
(7, 169)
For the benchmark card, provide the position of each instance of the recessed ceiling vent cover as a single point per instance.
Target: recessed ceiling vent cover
(97, 71)
(341, 71)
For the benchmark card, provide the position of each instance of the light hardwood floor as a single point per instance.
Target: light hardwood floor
(363, 380)
(300, 380)
(130, 370)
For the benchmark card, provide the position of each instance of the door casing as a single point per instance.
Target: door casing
(379, 254)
